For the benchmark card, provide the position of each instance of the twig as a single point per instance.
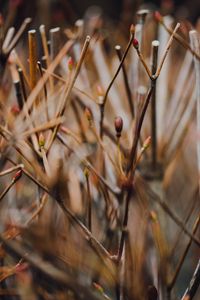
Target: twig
(137, 131)
(8, 38)
(136, 46)
(32, 58)
(194, 284)
(21, 77)
(10, 170)
(166, 51)
(104, 100)
(183, 256)
(52, 273)
(126, 83)
(155, 45)
(67, 91)
(13, 181)
(23, 27)
(167, 209)
(177, 37)
(19, 94)
(114, 190)
(89, 202)
(54, 41)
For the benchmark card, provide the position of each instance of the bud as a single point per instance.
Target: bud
(152, 293)
(70, 64)
(17, 175)
(88, 114)
(41, 140)
(86, 172)
(153, 216)
(15, 109)
(157, 16)
(135, 44)
(118, 126)
(147, 143)
(98, 287)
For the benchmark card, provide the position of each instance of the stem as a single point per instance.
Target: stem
(155, 45)
(166, 50)
(89, 211)
(68, 90)
(181, 40)
(133, 154)
(182, 258)
(112, 81)
(126, 83)
(194, 284)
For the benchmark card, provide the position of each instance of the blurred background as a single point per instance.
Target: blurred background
(64, 12)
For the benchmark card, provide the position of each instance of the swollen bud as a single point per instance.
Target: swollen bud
(41, 140)
(157, 16)
(17, 175)
(135, 44)
(147, 143)
(118, 126)
(15, 109)
(88, 115)
(70, 63)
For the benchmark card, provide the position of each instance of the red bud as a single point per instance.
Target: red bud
(70, 63)
(15, 109)
(17, 175)
(135, 43)
(157, 16)
(118, 125)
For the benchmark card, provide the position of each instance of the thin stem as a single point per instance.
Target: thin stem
(46, 52)
(155, 45)
(114, 190)
(182, 258)
(194, 284)
(23, 27)
(133, 154)
(126, 83)
(68, 89)
(10, 170)
(177, 239)
(13, 181)
(19, 95)
(21, 77)
(168, 210)
(180, 40)
(104, 100)
(89, 210)
(32, 58)
(124, 225)
(148, 71)
(166, 51)
(93, 242)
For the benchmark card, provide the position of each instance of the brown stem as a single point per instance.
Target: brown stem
(112, 81)
(155, 45)
(182, 258)
(194, 284)
(126, 83)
